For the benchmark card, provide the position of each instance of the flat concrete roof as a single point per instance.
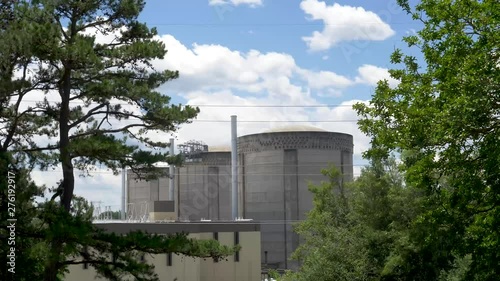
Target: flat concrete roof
(178, 227)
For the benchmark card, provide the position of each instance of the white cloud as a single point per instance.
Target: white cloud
(343, 112)
(251, 3)
(343, 118)
(325, 79)
(211, 67)
(218, 133)
(370, 75)
(102, 186)
(411, 31)
(343, 23)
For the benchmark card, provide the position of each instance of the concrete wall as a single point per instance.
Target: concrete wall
(196, 269)
(264, 199)
(277, 168)
(202, 189)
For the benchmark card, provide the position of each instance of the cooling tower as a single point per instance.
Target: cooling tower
(275, 169)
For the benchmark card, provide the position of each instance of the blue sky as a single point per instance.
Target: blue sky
(278, 26)
(268, 52)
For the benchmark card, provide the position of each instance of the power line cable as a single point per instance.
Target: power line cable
(266, 24)
(209, 174)
(273, 105)
(276, 121)
(224, 105)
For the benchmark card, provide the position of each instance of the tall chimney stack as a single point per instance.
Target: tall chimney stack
(171, 173)
(124, 188)
(234, 167)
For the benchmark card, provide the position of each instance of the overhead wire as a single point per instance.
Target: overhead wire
(250, 106)
(224, 105)
(277, 121)
(221, 24)
(192, 173)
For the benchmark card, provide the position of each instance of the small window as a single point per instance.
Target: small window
(115, 259)
(236, 242)
(169, 259)
(216, 238)
(85, 265)
(143, 258)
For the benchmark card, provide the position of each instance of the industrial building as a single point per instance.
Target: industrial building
(244, 265)
(202, 186)
(274, 169)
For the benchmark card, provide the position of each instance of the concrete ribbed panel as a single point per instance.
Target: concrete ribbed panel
(224, 195)
(263, 186)
(164, 189)
(194, 201)
(138, 191)
(311, 164)
(204, 188)
(213, 192)
(154, 186)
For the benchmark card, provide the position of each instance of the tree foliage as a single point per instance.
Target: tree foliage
(112, 256)
(354, 232)
(329, 250)
(445, 113)
(29, 252)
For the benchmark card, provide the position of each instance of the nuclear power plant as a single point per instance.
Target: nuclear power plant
(273, 168)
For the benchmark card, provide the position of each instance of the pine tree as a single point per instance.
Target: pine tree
(89, 64)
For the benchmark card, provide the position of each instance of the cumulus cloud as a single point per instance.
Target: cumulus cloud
(325, 79)
(251, 3)
(101, 188)
(343, 112)
(212, 67)
(370, 75)
(343, 23)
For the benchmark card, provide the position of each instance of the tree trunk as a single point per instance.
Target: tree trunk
(68, 183)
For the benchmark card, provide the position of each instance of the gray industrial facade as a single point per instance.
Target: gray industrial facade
(202, 188)
(274, 167)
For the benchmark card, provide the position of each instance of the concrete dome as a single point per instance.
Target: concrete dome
(295, 128)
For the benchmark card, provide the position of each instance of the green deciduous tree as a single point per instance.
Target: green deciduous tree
(330, 250)
(357, 231)
(446, 112)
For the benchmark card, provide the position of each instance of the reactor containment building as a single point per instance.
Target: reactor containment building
(275, 168)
